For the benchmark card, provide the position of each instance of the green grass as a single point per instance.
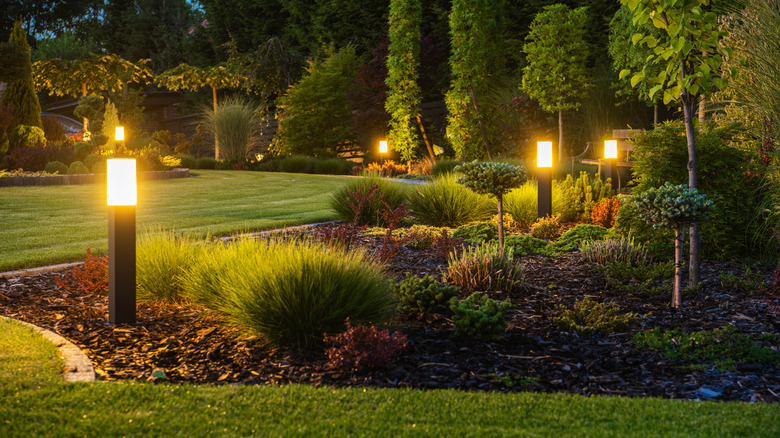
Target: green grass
(53, 224)
(36, 403)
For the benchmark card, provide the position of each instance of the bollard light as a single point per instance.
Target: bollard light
(119, 133)
(610, 155)
(610, 149)
(544, 178)
(383, 147)
(121, 198)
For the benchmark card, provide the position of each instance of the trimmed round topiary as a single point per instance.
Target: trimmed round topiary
(77, 168)
(57, 167)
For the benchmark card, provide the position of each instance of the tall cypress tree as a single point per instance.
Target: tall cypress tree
(20, 94)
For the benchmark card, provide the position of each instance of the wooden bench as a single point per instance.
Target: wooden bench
(625, 148)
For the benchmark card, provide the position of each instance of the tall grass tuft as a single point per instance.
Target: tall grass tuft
(611, 251)
(162, 260)
(444, 166)
(522, 204)
(290, 293)
(388, 192)
(483, 268)
(236, 126)
(445, 203)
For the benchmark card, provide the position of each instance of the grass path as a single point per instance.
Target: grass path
(53, 224)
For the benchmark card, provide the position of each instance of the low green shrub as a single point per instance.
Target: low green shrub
(267, 165)
(444, 167)
(589, 317)
(643, 278)
(422, 294)
(483, 268)
(723, 346)
(363, 347)
(290, 292)
(187, 161)
(611, 251)
(82, 149)
(91, 159)
(419, 236)
(162, 259)
(525, 245)
(573, 238)
(56, 167)
(297, 164)
(77, 168)
(480, 316)
(549, 227)
(445, 203)
(206, 163)
(477, 232)
(748, 281)
(24, 136)
(368, 196)
(333, 166)
(99, 167)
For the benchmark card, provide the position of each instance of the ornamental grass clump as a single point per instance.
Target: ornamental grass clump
(422, 294)
(479, 316)
(291, 292)
(235, 125)
(522, 204)
(484, 268)
(589, 317)
(162, 259)
(611, 251)
(445, 203)
(361, 200)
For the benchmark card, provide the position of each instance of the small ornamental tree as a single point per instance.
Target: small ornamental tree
(673, 206)
(20, 92)
(492, 179)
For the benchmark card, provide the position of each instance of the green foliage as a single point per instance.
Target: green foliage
(162, 259)
(522, 204)
(372, 194)
(419, 236)
(477, 232)
(422, 294)
(20, 93)
(643, 278)
(484, 268)
(672, 206)
(290, 293)
(94, 74)
(25, 136)
(56, 167)
(581, 233)
(589, 317)
(297, 164)
(480, 316)
(109, 122)
(235, 125)
(314, 114)
(187, 161)
(77, 168)
(82, 149)
(206, 163)
(475, 61)
(723, 346)
(749, 281)
(333, 166)
(447, 203)
(525, 245)
(577, 197)
(491, 178)
(92, 159)
(547, 228)
(444, 166)
(611, 251)
(403, 92)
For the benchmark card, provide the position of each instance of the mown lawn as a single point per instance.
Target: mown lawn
(53, 224)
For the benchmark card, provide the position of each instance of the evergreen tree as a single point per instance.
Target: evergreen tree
(20, 94)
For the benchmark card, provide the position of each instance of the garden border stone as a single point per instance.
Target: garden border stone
(53, 180)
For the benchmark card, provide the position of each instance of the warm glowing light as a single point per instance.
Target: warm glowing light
(383, 147)
(610, 149)
(120, 181)
(544, 154)
(119, 134)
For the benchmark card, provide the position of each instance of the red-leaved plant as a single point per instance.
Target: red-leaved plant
(605, 212)
(363, 347)
(90, 277)
(391, 245)
(445, 244)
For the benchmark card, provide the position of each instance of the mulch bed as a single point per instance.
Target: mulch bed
(191, 346)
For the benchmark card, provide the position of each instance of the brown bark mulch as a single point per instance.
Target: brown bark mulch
(189, 345)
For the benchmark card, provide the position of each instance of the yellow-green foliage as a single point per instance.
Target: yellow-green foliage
(579, 196)
(480, 316)
(611, 251)
(589, 317)
(547, 228)
(483, 268)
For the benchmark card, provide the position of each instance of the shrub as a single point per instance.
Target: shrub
(187, 161)
(90, 277)
(56, 167)
(77, 168)
(605, 212)
(479, 316)
(419, 236)
(446, 245)
(589, 317)
(573, 238)
(52, 129)
(422, 294)
(297, 164)
(206, 163)
(368, 196)
(524, 245)
(444, 167)
(290, 293)
(23, 136)
(236, 127)
(82, 149)
(445, 203)
(161, 261)
(91, 159)
(547, 228)
(386, 168)
(333, 166)
(477, 232)
(34, 159)
(611, 251)
(483, 268)
(644, 278)
(577, 197)
(99, 167)
(362, 347)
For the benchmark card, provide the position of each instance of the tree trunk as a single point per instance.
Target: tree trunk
(702, 108)
(481, 125)
(216, 140)
(500, 202)
(425, 139)
(655, 115)
(560, 136)
(687, 100)
(679, 242)
(84, 93)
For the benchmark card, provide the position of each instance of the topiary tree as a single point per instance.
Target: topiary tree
(673, 206)
(556, 52)
(20, 93)
(492, 179)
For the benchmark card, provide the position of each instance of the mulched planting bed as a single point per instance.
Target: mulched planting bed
(191, 346)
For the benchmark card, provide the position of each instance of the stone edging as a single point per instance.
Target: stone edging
(78, 367)
(53, 180)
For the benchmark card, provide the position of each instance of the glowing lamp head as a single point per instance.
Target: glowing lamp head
(120, 182)
(544, 154)
(610, 149)
(119, 133)
(383, 147)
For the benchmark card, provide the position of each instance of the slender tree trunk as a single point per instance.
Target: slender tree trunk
(687, 101)
(560, 136)
(655, 115)
(84, 93)
(500, 202)
(679, 242)
(702, 108)
(481, 124)
(425, 139)
(216, 140)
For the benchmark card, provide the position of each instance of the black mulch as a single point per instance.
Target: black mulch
(191, 346)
